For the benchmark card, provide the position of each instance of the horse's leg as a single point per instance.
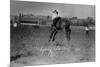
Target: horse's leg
(68, 36)
(56, 31)
(69, 33)
(51, 35)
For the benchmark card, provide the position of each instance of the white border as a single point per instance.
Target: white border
(5, 32)
(87, 2)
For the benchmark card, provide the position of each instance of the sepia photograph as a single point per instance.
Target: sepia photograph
(44, 33)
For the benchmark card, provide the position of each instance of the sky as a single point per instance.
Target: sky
(41, 8)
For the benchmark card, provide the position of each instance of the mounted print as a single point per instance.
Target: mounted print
(43, 33)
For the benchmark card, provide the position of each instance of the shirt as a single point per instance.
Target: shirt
(54, 16)
(86, 28)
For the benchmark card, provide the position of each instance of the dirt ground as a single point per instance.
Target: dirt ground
(34, 49)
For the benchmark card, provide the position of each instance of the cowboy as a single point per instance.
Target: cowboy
(55, 18)
(87, 28)
(55, 26)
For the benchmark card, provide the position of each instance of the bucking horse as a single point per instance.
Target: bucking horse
(62, 24)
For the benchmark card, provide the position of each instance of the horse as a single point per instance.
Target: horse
(60, 25)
